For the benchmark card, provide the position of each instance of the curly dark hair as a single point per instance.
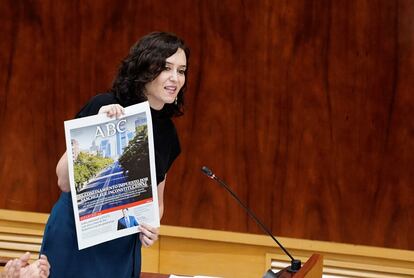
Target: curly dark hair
(145, 61)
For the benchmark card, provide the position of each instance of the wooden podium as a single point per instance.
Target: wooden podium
(311, 269)
(153, 275)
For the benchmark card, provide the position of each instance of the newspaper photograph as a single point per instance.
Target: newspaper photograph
(112, 174)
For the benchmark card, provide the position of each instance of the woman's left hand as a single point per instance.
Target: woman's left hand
(148, 234)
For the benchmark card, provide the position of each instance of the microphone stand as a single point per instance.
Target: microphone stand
(295, 264)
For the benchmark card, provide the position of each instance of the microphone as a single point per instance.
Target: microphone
(295, 264)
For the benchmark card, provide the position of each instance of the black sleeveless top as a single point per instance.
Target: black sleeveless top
(166, 143)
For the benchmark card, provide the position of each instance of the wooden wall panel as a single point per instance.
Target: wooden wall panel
(303, 107)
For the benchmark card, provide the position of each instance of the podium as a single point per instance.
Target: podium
(153, 275)
(311, 269)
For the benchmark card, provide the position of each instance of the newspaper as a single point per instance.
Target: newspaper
(112, 174)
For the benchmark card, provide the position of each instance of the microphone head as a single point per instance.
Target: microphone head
(295, 265)
(207, 171)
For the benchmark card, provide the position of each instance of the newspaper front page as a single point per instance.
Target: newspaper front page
(112, 174)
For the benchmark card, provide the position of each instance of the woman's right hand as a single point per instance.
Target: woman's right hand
(112, 110)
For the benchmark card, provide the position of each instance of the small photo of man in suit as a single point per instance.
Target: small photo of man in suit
(127, 220)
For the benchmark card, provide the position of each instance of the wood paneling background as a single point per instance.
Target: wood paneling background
(304, 107)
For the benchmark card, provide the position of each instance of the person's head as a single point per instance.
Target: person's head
(125, 212)
(154, 70)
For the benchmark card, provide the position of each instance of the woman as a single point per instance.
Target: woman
(155, 70)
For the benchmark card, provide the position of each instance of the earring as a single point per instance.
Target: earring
(176, 101)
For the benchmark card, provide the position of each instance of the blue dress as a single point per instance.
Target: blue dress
(116, 258)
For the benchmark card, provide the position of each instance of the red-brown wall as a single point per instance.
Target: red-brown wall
(304, 107)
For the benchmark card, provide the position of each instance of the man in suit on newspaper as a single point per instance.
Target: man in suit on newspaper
(127, 220)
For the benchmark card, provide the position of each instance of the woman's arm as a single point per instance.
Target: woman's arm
(62, 173)
(160, 190)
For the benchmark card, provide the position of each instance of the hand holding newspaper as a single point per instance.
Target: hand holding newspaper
(112, 174)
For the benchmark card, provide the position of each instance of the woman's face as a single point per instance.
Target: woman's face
(165, 87)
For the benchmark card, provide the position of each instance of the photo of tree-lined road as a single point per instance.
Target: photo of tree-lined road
(111, 170)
